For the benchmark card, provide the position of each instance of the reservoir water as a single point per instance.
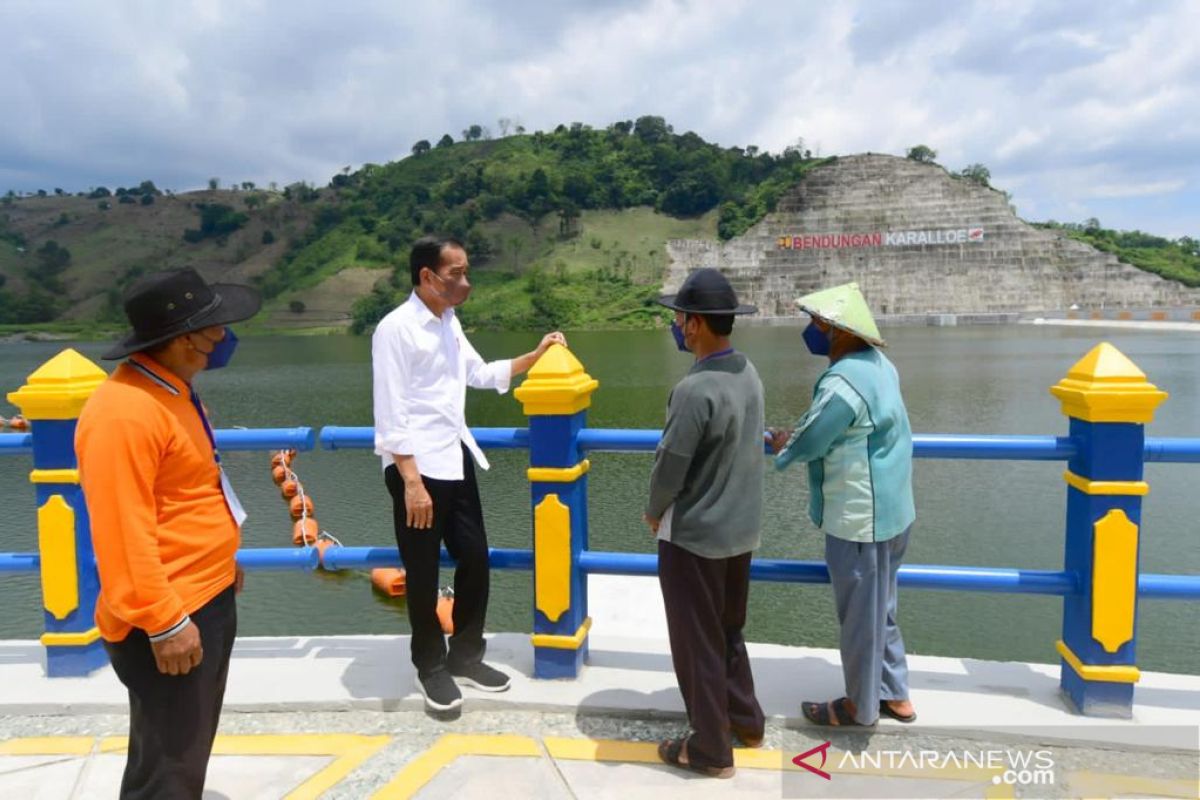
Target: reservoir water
(956, 380)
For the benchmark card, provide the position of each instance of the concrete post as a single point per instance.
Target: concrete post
(1108, 401)
(51, 400)
(555, 396)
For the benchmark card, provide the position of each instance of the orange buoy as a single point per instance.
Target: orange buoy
(322, 545)
(445, 611)
(289, 488)
(18, 423)
(279, 474)
(305, 531)
(389, 580)
(283, 458)
(301, 506)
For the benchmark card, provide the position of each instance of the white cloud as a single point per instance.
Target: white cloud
(1069, 103)
(1136, 189)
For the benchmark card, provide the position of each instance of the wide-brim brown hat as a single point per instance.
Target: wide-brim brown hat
(164, 305)
(706, 291)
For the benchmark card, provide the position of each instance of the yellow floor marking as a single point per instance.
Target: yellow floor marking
(348, 752)
(445, 750)
(422, 769)
(48, 746)
(1107, 785)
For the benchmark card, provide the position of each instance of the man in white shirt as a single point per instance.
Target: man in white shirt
(422, 365)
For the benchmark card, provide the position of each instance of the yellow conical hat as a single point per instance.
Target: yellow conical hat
(843, 307)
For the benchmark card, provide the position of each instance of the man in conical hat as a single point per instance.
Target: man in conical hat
(857, 443)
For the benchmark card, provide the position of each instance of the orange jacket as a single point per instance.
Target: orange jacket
(165, 541)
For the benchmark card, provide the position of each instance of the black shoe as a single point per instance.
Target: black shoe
(439, 691)
(481, 676)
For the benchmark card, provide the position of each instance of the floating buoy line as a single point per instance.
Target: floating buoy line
(306, 532)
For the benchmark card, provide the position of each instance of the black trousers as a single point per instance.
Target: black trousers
(173, 718)
(705, 600)
(457, 521)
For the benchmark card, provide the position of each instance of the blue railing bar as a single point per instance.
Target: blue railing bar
(264, 558)
(913, 576)
(338, 437)
(16, 444)
(621, 440)
(229, 439)
(19, 562)
(996, 447)
(925, 445)
(371, 557)
(993, 447)
(976, 579)
(1169, 587)
(1177, 451)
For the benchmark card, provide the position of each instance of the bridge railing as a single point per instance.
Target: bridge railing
(1105, 396)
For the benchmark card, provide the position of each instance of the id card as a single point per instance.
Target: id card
(231, 500)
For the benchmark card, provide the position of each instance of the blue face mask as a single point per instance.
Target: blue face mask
(677, 332)
(816, 340)
(223, 350)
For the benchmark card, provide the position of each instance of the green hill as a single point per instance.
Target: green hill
(565, 228)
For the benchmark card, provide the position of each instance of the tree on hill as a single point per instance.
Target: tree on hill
(446, 140)
(473, 133)
(216, 221)
(922, 154)
(422, 147)
(977, 173)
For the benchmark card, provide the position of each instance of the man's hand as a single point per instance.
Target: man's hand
(779, 438)
(549, 339)
(653, 523)
(418, 505)
(239, 580)
(180, 654)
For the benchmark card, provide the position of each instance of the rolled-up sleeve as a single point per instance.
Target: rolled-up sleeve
(389, 384)
(118, 465)
(484, 374)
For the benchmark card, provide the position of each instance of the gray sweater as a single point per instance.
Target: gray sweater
(710, 463)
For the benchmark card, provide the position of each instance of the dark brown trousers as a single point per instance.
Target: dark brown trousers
(705, 600)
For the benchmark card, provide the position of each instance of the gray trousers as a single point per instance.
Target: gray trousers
(864, 590)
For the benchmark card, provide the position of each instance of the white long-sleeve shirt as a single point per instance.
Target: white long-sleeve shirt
(421, 368)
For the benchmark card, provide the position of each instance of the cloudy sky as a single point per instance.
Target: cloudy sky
(1078, 108)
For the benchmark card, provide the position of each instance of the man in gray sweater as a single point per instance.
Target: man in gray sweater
(706, 496)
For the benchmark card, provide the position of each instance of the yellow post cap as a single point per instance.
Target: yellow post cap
(59, 388)
(843, 307)
(1105, 386)
(557, 384)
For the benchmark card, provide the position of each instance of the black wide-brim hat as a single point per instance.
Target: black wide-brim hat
(164, 305)
(706, 291)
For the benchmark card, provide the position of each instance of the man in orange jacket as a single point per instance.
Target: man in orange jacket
(165, 526)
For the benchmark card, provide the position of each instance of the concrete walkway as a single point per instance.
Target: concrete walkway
(339, 716)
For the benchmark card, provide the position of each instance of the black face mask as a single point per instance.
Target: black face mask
(455, 293)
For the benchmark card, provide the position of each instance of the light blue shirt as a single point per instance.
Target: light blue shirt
(857, 442)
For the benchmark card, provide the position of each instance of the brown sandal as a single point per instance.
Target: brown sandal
(671, 752)
(819, 714)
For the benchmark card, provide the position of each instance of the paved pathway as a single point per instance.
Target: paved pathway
(337, 717)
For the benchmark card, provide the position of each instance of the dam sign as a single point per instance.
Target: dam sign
(838, 241)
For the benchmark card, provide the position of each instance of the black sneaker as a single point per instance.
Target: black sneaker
(481, 676)
(439, 691)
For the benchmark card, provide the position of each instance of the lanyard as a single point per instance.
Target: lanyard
(726, 352)
(204, 418)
